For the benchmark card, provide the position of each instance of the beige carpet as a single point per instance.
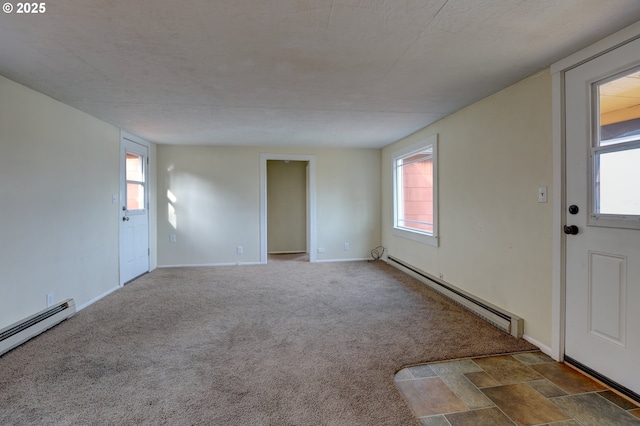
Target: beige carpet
(289, 343)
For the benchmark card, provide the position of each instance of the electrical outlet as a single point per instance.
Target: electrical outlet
(321, 250)
(50, 301)
(240, 250)
(346, 246)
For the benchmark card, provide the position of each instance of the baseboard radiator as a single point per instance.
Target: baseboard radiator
(18, 333)
(502, 319)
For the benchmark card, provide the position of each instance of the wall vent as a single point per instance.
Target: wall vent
(502, 319)
(18, 333)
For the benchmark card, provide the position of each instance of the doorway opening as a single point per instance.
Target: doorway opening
(287, 206)
(287, 209)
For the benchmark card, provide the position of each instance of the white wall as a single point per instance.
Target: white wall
(217, 202)
(59, 168)
(287, 206)
(495, 238)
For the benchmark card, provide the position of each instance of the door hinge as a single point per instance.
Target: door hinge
(148, 251)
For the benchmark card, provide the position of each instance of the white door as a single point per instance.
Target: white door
(603, 203)
(134, 210)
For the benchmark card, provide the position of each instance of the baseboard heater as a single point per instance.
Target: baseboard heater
(499, 317)
(18, 333)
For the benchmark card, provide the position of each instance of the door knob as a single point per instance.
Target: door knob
(126, 219)
(570, 229)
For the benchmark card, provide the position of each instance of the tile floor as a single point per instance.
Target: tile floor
(520, 389)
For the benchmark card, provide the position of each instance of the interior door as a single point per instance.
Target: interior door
(602, 330)
(134, 210)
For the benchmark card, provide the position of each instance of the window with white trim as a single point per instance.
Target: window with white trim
(135, 177)
(615, 152)
(415, 191)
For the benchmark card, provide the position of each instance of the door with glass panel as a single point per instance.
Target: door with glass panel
(134, 210)
(602, 217)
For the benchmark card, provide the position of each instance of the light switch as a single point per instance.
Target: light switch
(542, 194)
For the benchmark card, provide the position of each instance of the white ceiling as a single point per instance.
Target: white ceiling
(356, 73)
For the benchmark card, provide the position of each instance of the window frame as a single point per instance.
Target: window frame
(414, 234)
(594, 218)
(143, 183)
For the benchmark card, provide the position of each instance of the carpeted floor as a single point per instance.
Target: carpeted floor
(288, 343)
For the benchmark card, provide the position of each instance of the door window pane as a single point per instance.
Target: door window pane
(135, 196)
(134, 167)
(616, 147)
(618, 182)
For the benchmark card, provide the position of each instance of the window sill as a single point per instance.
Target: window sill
(431, 240)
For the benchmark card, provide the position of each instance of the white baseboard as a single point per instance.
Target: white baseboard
(543, 348)
(288, 252)
(95, 299)
(357, 259)
(203, 265)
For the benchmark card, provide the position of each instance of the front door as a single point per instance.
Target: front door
(602, 218)
(134, 210)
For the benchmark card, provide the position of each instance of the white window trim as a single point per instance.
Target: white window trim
(430, 239)
(595, 218)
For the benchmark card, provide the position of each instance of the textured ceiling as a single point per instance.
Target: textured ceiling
(357, 73)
